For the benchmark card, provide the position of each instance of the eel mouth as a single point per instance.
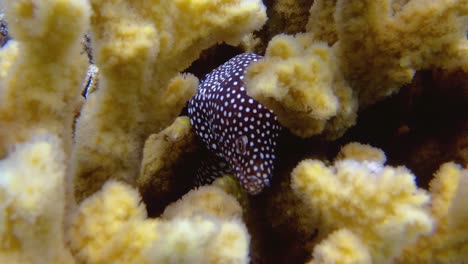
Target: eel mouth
(252, 183)
(257, 189)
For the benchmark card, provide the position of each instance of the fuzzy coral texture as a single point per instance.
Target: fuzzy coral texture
(125, 141)
(448, 243)
(373, 47)
(377, 205)
(174, 140)
(37, 96)
(41, 73)
(140, 47)
(127, 236)
(32, 202)
(298, 80)
(388, 219)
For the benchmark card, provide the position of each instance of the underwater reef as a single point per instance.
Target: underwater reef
(99, 153)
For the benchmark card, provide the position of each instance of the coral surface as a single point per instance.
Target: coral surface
(448, 243)
(92, 98)
(41, 70)
(378, 205)
(298, 80)
(168, 158)
(32, 203)
(374, 48)
(126, 235)
(139, 48)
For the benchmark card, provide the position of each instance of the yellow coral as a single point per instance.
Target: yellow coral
(458, 212)
(341, 247)
(382, 43)
(32, 203)
(297, 79)
(163, 154)
(230, 185)
(40, 92)
(139, 47)
(288, 16)
(200, 240)
(362, 152)
(321, 21)
(381, 205)
(206, 200)
(111, 227)
(8, 55)
(449, 242)
(376, 48)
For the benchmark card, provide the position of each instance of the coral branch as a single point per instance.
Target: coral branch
(139, 48)
(449, 241)
(380, 205)
(32, 203)
(111, 226)
(380, 46)
(299, 81)
(39, 86)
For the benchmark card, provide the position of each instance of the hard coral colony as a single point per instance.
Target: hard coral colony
(73, 170)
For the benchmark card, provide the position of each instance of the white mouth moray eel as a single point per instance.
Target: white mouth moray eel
(235, 127)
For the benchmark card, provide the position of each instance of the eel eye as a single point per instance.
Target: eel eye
(241, 143)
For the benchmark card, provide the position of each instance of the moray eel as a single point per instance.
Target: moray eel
(236, 128)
